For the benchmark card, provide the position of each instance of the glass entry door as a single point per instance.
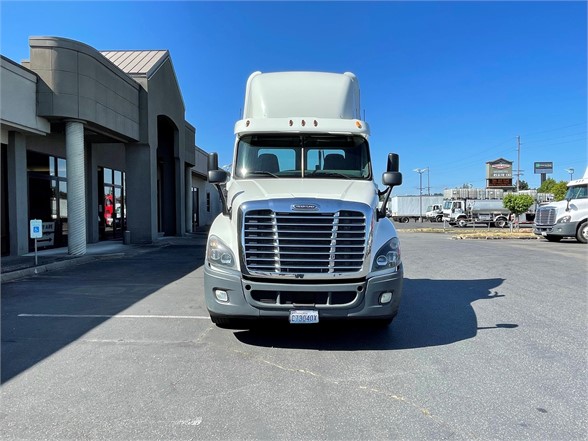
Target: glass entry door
(112, 207)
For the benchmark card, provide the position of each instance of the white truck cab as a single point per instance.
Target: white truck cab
(567, 218)
(301, 237)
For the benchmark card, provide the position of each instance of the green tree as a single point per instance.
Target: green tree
(558, 189)
(523, 185)
(547, 185)
(517, 203)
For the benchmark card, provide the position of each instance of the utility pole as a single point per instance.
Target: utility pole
(420, 171)
(428, 183)
(518, 162)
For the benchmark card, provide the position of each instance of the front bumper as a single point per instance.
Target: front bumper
(567, 229)
(260, 299)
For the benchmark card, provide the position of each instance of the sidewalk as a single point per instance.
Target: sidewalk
(16, 267)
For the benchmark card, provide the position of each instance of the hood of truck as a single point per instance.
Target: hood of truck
(245, 190)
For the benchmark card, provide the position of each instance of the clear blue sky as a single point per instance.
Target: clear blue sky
(447, 85)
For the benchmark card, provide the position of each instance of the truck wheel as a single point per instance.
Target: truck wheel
(404, 220)
(461, 223)
(439, 219)
(582, 233)
(551, 238)
(501, 222)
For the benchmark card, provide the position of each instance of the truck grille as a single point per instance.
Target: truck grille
(303, 243)
(545, 216)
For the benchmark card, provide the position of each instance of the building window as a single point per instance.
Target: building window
(48, 198)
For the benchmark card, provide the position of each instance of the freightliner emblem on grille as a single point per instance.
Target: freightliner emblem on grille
(305, 207)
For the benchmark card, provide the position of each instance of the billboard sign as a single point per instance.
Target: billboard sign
(543, 167)
(499, 169)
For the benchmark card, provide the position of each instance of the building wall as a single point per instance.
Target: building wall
(18, 101)
(123, 120)
(76, 81)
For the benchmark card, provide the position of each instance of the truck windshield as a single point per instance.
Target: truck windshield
(310, 156)
(577, 192)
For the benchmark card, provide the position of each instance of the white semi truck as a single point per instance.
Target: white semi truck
(567, 218)
(301, 237)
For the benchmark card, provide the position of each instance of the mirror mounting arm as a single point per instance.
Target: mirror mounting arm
(381, 213)
(218, 177)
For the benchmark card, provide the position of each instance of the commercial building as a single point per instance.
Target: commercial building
(96, 145)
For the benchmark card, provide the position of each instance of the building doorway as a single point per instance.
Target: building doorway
(4, 204)
(112, 210)
(195, 208)
(47, 186)
(167, 163)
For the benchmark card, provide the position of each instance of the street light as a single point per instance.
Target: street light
(420, 171)
(571, 172)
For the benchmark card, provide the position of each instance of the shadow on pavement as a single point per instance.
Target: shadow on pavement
(81, 290)
(432, 313)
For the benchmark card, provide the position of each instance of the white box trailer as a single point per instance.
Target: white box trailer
(403, 208)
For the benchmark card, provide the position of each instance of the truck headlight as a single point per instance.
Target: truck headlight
(564, 219)
(388, 256)
(218, 253)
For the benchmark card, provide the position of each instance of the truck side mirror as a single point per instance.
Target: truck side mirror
(213, 161)
(391, 178)
(393, 163)
(215, 176)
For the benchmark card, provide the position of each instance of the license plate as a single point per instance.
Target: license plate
(304, 316)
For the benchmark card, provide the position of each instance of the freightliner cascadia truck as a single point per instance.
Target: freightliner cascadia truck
(567, 218)
(300, 237)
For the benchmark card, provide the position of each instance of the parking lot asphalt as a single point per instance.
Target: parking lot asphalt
(16, 267)
(489, 344)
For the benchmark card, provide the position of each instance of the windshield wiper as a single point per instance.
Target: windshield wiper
(326, 174)
(262, 172)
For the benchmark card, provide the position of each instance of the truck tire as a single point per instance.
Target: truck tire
(501, 222)
(461, 223)
(552, 238)
(582, 233)
(439, 219)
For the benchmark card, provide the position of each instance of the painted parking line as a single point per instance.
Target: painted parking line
(190, 317)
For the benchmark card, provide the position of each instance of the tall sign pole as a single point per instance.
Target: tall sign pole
(518, 162)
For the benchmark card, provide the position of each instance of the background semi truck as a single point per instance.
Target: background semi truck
(567, 218)
(301, 237)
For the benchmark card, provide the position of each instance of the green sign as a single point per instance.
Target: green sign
(543, 167)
